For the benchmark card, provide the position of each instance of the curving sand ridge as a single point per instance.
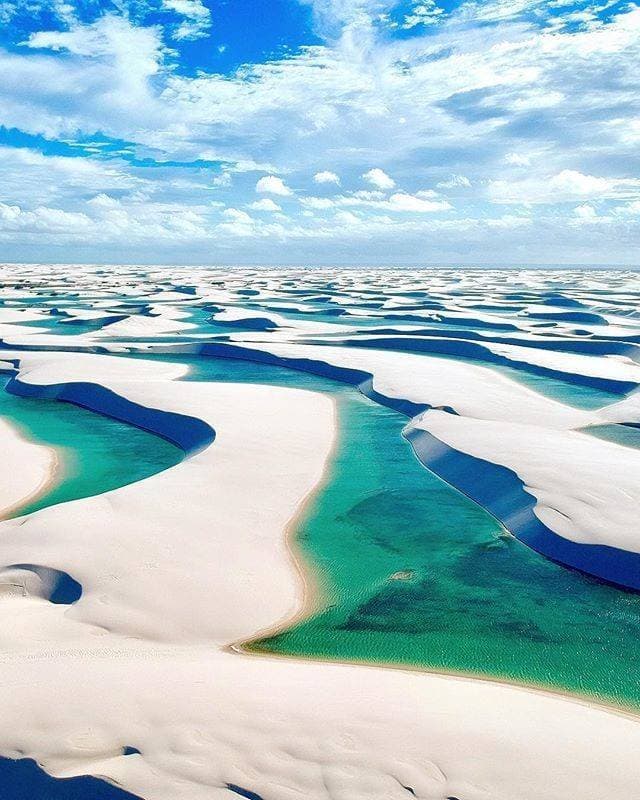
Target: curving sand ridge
(424, 381)
(177, 567)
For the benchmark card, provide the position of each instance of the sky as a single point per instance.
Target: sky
(368, 132)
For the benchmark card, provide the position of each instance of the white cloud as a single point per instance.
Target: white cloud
(346, 218)
(517, 159)
(454, 182)
(332, 16)
(270, 184)
(407, 202)
(398, 202)
(379, 178)
(571, 182)
(42, 219)
(9, 213)
(237, 215)
(32, 179)
(134, 49)
(326, 177)
(508, 222)
(197, 22)
(466, 93)
(564, 186)
(103, 200)
(266, 204)
(319, 203)
(368, 194)
(423, 13)
(631, 208)
(585, 212)
(223, 180)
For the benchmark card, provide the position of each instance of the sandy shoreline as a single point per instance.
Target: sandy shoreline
(313, 590)
(20, 457)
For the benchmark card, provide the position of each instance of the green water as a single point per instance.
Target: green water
(415, 573)
(620, 434)
(571, 394)
(95, 453)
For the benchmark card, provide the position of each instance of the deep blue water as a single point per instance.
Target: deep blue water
(23, 779)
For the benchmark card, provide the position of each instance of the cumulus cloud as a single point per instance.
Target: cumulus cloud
(134, 49)
(517, 159)
(585, 212)
(222, 180)
(631, 208)
(270, 184)
(572, 182)
(379, 178)
(424, 12)
(42, 219)
(346, 218)
(237, 215)
(326, 177)
(31, 179)
(102, 84)
(266, 204)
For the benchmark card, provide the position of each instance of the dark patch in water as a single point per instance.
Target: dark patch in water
(425, 606)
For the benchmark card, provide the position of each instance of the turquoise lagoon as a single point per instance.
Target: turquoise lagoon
(95, 453)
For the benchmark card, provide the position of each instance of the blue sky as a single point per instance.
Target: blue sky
(320, 131)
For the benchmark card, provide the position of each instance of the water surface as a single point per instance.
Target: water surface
(95, 453)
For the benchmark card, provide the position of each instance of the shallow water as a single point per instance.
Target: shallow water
(626, 435)
(415, 573)
(95, 453)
